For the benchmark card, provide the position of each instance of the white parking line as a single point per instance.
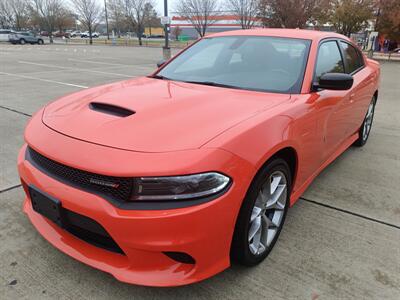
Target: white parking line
(95, 62)
(74, 69)
(142, 66)
(45, 80)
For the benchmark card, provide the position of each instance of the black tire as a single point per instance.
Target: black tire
(40, 42)
(240, 249)
(22, 41)
(363, 135)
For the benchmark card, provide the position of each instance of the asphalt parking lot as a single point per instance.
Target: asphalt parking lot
(342, 240)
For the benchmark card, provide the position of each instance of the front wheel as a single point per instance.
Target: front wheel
(22, 41)
(262, 214)
(366, 126)
(40, 42)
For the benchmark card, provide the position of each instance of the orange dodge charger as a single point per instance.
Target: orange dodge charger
(165, 180)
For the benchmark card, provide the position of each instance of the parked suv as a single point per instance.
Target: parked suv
(86, 34)
(25, 37)
(4, 35)
(76, 33)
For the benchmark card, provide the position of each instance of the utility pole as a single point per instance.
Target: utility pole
(106, 14)
(166, 49)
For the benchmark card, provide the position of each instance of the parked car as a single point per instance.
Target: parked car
(76, 33)
(61, 34)
(86, 34)
(44, 33)
(164, 180)
(5, 35)
(397, 50)
(25, 37)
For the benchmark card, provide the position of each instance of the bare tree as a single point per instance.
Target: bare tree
(47, 14)
(65, 19)
(89, 13)
(246, 10)
(177, 31)
(136, 13)
(20, 12)
(6, 14)
(117, 17)
(151, 19)
(292, 13)
(198, 13)
(106, 16)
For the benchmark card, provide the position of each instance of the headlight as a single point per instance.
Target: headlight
(179, 187)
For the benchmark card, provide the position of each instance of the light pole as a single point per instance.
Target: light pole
(166, 49)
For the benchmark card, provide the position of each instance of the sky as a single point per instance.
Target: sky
(160, 6)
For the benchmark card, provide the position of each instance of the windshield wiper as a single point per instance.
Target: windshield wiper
(212, 83)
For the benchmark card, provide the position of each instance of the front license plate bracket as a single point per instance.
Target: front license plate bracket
(46, 205)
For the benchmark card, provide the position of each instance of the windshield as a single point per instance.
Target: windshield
(246, 62)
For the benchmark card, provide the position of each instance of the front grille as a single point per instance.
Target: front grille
(116, 188)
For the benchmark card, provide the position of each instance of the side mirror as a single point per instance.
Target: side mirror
(161, 63)
(334, 81)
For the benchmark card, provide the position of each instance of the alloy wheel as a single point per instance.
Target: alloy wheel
(368, 121)
(268, 212)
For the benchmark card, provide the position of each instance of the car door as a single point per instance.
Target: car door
(361, 93)
(30, 38)
(333, 106)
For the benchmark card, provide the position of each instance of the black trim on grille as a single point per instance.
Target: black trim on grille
(89, 231)
(109, 187)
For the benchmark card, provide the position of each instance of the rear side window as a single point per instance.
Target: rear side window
(329, 59)
(353, 57)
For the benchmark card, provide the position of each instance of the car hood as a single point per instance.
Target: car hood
(166, 115)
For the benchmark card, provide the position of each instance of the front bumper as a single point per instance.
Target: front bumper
(203, 231)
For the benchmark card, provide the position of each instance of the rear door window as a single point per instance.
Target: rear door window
(353, 57)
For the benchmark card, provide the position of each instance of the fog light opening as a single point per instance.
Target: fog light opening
(181, 257)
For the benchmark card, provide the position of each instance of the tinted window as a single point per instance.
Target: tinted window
(353, 57)
(246, 62)
(329, 59)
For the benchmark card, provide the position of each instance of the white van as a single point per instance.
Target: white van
(4, 34)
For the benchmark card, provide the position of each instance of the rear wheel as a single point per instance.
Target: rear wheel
(366, 126)
(40, 42)
(22, 41)
(262, 214)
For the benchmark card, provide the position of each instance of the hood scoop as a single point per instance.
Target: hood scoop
(111, 109)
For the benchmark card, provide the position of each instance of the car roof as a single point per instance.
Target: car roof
(282, 32)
